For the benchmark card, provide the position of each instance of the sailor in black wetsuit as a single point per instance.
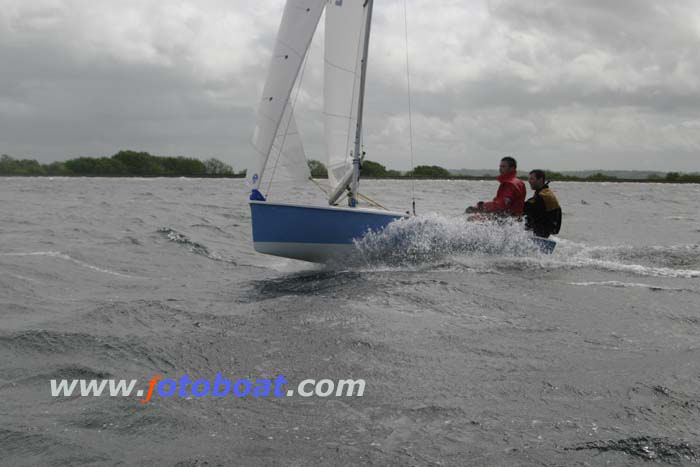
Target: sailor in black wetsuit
(542, 211)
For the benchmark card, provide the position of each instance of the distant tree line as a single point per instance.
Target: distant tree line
(679, 177)
(143, 164)
(122, 164)
(674, 177)
(371, 169)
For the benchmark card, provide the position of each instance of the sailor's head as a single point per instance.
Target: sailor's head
(537, 179)
(507, 165)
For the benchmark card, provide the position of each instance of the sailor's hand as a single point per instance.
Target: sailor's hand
(478, 208)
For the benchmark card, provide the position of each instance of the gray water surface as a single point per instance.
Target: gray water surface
(491, 356)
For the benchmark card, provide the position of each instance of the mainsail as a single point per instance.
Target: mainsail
(344, 41)
(276, 140)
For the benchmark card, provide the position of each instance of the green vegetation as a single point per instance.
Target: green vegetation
(143, 164)
(373, 169)
(597, 177)
(317, 169)
(679, 177)
(673, 177)
(91, 166)
(122, 164)
(429, 171)
(12, 166)
(216, 167)
(600, 177)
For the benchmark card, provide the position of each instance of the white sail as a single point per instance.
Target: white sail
(275, 118)
(344, 40)
(287, 160)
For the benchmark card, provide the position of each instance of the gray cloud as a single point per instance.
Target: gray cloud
(563, 84)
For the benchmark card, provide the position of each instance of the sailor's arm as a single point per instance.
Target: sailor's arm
(502, 201)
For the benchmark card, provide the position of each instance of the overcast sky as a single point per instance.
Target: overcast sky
(560, 84)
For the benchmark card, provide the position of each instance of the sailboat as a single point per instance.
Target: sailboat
(299, 231)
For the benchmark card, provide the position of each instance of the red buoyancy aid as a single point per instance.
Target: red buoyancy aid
(511, 188)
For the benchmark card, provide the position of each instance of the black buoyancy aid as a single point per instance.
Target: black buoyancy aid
(543, 213)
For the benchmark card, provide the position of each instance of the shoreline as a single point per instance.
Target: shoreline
(456, 178)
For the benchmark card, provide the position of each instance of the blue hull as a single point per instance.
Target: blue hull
(322, 234)
(316, 234)
(545, 245)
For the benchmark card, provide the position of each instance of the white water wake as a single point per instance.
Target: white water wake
(435, 238)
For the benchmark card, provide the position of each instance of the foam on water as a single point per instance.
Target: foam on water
(193, 246)
(434, 237)
(659, 260)
(177, 237)
(426, 239)
(660, 255)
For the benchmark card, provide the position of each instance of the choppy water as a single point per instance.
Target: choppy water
(476, 350)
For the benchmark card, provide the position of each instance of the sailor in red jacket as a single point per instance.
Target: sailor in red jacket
(510, 198)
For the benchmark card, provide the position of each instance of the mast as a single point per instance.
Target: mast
(357, 156)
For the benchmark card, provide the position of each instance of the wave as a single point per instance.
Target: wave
(194, 247)
(625, 285)
(60, 255)
(213, 228)
(562, 261)
(72, 343)
(647, 448)
(315, 282)
(657, 261)
(71, 371)
(24, 445)
(673, 256)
